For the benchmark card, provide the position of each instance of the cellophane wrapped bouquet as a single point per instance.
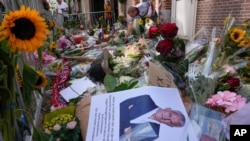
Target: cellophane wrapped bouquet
(219, 67)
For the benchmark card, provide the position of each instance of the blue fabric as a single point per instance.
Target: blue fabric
(139, 105)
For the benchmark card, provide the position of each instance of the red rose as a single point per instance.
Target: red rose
(153, 32)
(233, 82)
(169, 30)
(165, 46)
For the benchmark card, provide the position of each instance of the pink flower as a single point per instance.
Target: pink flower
(47, 131)
(227, 97)
(230, 70)
(71, 125)
(64, 42)
(236, 105)
(57, 127)
(228, 100)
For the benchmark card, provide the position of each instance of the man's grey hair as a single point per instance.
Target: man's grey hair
(182, 120)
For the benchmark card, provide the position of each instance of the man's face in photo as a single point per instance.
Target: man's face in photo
(168, 116)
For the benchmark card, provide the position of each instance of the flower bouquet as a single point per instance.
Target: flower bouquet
(62, 125)
(22, 32)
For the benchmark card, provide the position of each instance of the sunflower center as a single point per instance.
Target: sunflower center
(236, 35)
(24, 29)
(39, 81)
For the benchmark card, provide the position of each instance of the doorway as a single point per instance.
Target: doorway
(97, 5)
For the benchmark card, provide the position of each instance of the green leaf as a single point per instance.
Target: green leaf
(132, 84)
(3, 71)
(39, 135)
(121, 87)
(30, 78)
(109, 82)
(39, 51)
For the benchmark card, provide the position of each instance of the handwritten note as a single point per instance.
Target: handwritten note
(77, 88)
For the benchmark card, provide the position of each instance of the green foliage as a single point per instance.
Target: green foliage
(66, 134)
(126, 85)
(30, 78)
(201, 88)
(109, 82)
(39, 135)
(111, 85)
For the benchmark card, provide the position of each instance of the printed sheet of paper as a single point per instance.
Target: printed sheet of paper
(111, 114)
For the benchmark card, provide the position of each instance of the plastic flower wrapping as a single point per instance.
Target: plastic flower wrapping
(218, 67)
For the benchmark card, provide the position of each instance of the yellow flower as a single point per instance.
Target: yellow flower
(52, 45)
(24, 29)
(51, 24)
(60, 30)
(237, 34)
(244, 43)
(100, 18)
(147, 20)
(244, 25)
(140, 21)
(41, 81)
(158, 21)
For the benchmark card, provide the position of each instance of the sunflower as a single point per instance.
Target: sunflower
(51, 24)
(237, 34)
(244, 43)
(60, 30)
(147, 20)
(140, 22)
(52, 45)
(41, 81)
(25, 30)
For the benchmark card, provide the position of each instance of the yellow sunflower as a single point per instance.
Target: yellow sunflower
(51, 24)
(52, 45)
(244, 25)
(237, 34)
(140, 22)
(24, 29)
(147, 20)
(244, 43)
(60, 30)
(41, 81)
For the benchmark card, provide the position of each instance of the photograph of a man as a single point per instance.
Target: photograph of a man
(141, 119)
